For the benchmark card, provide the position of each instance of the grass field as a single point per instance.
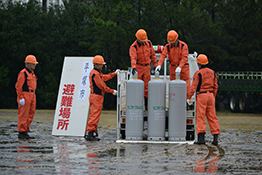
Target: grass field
(227, 120)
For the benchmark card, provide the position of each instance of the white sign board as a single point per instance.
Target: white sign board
(193, 67)
(72, 104)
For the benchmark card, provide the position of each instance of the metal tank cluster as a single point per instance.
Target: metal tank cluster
(156, 110)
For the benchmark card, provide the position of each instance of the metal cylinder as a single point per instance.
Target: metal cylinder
(177, 110)
(134, 109)
(156, 109)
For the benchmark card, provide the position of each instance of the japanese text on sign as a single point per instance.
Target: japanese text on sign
(84, 81)
(65, 106)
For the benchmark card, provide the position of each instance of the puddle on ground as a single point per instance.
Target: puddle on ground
(26, 149)
(238, 153)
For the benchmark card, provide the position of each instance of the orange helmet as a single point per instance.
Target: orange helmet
(172, 36)
(141, 35)
(202, 59)
(99, 59)
(31, 59)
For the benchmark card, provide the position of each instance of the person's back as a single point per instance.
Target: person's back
(208, 80)
(205, 85)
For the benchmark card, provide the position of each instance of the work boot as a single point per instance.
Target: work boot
(201, 139)
(215, 139)
(146, 103)
(29, 135)
(96, 133)
(90, 137)
(24, 135)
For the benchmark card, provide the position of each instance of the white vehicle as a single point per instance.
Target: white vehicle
(122, 79)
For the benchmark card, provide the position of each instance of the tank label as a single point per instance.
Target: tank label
(159, 108)
(172, 96)
(131, 107)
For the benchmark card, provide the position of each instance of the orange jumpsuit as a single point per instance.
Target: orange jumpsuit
(141, 56)
(205, 84)
(25, 88)
(178, 57)
(96, 98)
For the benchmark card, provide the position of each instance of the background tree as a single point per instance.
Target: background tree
(228, 32)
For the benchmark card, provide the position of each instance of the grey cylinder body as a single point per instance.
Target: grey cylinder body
(156, 109)
(134, 109)
(177, 110)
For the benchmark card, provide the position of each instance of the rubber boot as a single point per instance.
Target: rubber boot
(30, 137)
(24, 135)
(201, 139)
(215, 139)
(146, 103)
(90, 136)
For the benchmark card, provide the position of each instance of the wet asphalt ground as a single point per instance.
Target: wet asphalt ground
(238, 152)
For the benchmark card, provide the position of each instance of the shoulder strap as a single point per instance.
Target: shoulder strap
(25, 86)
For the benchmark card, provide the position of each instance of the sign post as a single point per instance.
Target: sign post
(73, 97)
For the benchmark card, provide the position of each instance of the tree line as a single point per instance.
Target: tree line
(228, 32)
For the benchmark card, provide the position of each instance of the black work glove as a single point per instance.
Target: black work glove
(134, 71)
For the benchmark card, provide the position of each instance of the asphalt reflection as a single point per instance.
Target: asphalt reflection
(209, 163)
(239, 153)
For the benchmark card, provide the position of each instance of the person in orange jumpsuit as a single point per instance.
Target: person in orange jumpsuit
(205, 85)
(96, 98)
(142, 54)
(26, 98)
(177, 52)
